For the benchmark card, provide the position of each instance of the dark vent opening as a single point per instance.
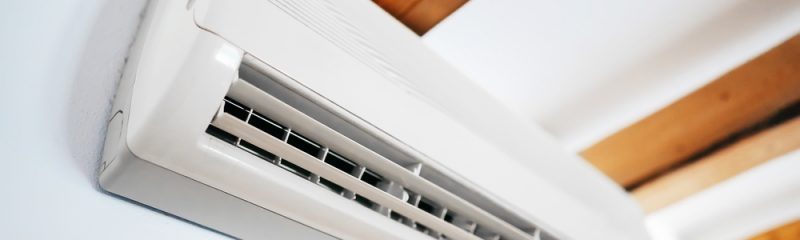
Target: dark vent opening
(331, 186)
(236, 109)
(448, 217)
(340, 162)
(304, 144)
(267, 125)
(421, 228)
(371, 178)
(364, 201)
(396, 216)
(426, 206)
(263, 154)
(295, 169)
(221, 134)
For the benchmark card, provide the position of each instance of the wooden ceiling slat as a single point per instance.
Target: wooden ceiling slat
(397, 8)
(735, 101)
(720, 165)
(420, 15)
(427, 13)
(789, 231)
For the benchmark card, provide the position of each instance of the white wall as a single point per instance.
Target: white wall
(59, 65)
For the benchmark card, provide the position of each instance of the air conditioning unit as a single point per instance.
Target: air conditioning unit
(322, 119)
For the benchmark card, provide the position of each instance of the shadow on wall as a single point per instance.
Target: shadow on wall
(99, 71)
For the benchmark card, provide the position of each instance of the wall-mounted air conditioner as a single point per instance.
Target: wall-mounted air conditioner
(327, 119)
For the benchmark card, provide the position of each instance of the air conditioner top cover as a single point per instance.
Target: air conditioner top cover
(328, 119)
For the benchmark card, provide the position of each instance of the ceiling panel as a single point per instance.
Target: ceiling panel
(585, 69)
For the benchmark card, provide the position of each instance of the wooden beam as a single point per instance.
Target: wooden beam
(420, 15)
(397, 8)
(720, 165)
(789, 231)
(735, 101)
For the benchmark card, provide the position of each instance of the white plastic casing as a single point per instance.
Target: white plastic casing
(187, 55)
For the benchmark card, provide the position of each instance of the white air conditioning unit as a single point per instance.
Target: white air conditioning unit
(324, 119)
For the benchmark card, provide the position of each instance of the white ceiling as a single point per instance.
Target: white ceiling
(584, 69)
(737, 208)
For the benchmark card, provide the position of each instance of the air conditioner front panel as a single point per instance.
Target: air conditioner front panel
(189, 57)
(164, 127)
(338, 63)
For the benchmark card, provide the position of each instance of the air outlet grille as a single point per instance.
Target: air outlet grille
(257, 122)
(334, 160)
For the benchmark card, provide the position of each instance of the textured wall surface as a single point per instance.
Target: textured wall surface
(59, 68)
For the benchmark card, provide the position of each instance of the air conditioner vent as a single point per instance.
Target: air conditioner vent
(265, 126)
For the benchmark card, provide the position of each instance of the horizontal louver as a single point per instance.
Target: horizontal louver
(261, 124)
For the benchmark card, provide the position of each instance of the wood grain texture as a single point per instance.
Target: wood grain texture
(420, 15)
(789, 231)
(719, 166)
(736, 100)
(397, 8)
